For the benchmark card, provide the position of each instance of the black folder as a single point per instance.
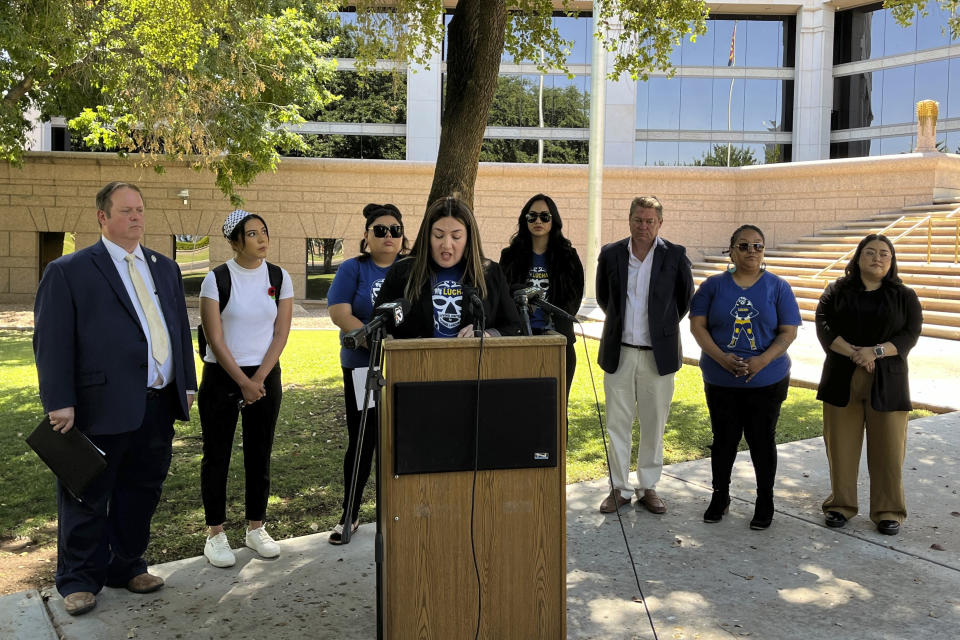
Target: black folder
(71, 456)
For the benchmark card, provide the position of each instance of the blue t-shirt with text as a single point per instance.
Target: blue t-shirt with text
(357, 283)
(744, 322)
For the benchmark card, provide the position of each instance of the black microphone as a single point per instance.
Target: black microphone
(476, 306)
(389, 314)
(534, 297)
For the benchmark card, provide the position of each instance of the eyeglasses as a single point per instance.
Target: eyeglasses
(543, 215)
(872, 253)
(743, 246)
(381, 230)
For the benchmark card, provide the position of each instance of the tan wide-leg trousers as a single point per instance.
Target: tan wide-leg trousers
(843, 429)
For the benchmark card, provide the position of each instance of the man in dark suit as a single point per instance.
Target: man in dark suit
(115, 360)
(644, 286)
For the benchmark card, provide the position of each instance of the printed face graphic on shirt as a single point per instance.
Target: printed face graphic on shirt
(374, 290)
(539, 278)
(743, 313)
(447, 301)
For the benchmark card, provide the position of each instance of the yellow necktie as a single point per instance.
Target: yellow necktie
(158, 332)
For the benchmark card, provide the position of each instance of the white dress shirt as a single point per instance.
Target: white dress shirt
(159, 374)
(636, 321)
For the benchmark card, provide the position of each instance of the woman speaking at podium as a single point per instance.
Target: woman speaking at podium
(350, 301)
(540, 256)
(445, 272)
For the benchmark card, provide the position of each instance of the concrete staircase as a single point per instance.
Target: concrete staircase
(812, 262)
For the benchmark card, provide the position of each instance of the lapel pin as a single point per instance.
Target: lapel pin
(153, 258)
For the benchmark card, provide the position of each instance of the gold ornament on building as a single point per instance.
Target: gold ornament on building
(927, 112)
(928, 108)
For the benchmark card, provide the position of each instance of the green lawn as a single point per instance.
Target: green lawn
(318, 284)
(306, 471)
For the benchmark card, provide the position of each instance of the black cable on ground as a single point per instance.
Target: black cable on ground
(603, 436)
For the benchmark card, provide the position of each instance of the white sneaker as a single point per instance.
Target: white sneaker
(261, 542)
(217, 551)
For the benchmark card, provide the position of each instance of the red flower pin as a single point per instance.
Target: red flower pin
(272, 292)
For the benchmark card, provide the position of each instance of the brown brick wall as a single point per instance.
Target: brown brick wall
(323, 198)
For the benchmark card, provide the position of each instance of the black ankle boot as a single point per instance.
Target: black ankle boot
(763, 513)
(719, 505)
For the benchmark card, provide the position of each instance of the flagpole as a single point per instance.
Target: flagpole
(731, 61)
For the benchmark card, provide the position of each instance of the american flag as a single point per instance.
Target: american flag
(733, 45)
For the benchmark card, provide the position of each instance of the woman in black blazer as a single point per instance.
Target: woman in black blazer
(444, 269)
(867, 322)
(539, 256)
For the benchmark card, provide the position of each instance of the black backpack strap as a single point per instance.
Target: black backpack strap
(222, 274)
(276, 280)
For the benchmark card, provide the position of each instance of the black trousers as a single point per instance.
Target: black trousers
(218, 403)
(101, 540)
(370, 438)
(752, 413)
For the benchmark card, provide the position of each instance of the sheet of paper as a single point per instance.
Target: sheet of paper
(359, 386)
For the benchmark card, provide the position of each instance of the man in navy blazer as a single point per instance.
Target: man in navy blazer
(644, 286)
(116, 363)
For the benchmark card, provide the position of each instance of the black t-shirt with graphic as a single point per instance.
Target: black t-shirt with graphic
(447, 302)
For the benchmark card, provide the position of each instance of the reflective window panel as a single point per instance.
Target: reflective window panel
(870, 32)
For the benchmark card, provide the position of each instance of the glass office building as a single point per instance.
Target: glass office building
(776, 84)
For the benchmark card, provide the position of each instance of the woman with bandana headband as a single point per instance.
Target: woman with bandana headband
(350, 301)
(444, 268)
(540, 256)
(241, 377)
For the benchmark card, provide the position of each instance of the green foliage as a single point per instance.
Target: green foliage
(213, 82)
(648, 32)
(203, 241)
(515, 105)
(904, 11)
(717, 157)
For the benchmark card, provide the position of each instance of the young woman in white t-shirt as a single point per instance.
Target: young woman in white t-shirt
(241, 376)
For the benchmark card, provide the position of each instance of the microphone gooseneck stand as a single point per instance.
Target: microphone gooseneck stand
(372, 389)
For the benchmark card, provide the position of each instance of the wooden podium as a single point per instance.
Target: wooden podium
(428, 581)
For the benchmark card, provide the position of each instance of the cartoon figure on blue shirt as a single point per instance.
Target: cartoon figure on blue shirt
(743, 312)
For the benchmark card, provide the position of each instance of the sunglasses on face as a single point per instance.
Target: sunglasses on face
(381, 230)
(543, 215)
(756, 246)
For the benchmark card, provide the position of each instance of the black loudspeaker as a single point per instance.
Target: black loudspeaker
(434, 425)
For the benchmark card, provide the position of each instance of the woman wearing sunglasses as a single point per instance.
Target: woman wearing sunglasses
(744, 320)
(444, 269)
(867, 322)
(351, 302)
(539, 256)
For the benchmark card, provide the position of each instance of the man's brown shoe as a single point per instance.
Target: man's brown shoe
(144, 583)
(79, 603)
(613, 502)
(651, 501)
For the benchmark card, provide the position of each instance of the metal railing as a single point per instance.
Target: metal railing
(928, 219)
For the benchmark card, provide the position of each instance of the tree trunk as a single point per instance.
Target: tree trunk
(475, 37)
(329, 244)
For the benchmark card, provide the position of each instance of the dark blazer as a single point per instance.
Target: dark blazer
(566, 281)
(671, 288)
(90, 348)
(499, 308)
(899, 321)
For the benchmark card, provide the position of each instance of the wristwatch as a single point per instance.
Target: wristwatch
(878, 351)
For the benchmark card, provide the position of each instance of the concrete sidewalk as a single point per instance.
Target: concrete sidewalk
(797, 579)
